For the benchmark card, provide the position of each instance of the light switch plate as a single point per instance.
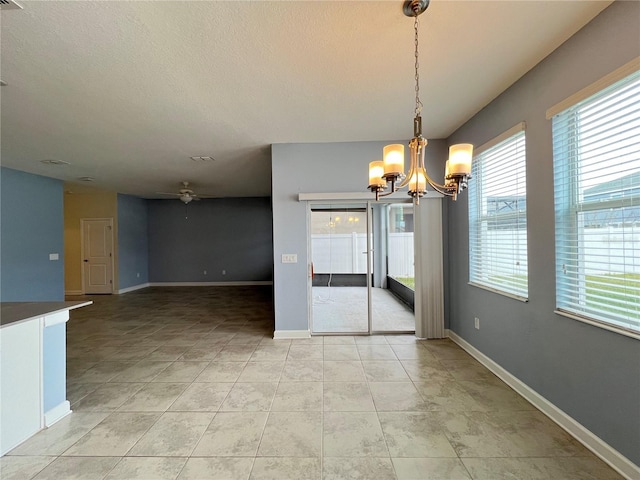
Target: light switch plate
(54, 256)
(289, 258)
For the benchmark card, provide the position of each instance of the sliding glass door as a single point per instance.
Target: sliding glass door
(339, 269)
(392, 289)
(350, 288)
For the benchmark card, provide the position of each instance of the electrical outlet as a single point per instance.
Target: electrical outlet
(205, 272)
(476, 322)
(138, 274)
(289, 258)
(224, 272)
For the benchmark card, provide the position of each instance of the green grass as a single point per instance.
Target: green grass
(614, 293)
(517, 280)
(407, 282)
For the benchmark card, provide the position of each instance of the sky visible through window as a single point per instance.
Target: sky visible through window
(609, 149)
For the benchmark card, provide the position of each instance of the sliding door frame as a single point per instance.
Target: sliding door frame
(344, 203)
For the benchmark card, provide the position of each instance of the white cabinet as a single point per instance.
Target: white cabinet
(28, 381)
(20, 382)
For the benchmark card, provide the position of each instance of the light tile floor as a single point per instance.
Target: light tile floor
(344, 309)
(188, 384)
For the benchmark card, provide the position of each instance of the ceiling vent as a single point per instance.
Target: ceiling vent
(9, 5)
(202, 159)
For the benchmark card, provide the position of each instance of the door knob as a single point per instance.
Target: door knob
(86, 260)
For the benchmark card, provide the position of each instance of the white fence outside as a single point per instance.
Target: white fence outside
(616, 250)
(343, 253)
(505, 253)
(400, 253)
(339, 253)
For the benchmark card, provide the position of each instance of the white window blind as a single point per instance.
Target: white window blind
(498, 216)
(596, 151)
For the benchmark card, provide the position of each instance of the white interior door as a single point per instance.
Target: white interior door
(97, 255)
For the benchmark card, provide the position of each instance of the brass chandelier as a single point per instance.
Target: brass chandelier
(391, 168)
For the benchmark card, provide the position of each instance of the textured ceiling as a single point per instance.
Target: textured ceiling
(126, 91)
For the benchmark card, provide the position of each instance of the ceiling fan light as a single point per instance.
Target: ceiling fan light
(186, 199)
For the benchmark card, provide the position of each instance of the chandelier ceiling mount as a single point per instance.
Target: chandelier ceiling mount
(413, 8)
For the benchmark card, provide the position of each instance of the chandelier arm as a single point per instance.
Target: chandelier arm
(447, 190)
(385, 194)
(413, 170)
(394, 188)
(442, 189)
(407, 178)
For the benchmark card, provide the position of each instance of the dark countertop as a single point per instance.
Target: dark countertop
(12, 312)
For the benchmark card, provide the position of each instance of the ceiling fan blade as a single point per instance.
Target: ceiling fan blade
(172, 194)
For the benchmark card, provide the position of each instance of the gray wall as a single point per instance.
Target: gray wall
(231, 234)
(317, 168)
(590, 373)
(133, 241)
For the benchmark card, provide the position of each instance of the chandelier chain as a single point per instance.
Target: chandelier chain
(418, 110)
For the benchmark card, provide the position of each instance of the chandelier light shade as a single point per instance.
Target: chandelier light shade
(376, 172)
(391, 169)
(460, 159)
(393, 159)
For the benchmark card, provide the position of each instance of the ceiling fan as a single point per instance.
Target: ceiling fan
(185, 194)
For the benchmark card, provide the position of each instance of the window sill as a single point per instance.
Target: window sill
(599, 324)
(500, 292)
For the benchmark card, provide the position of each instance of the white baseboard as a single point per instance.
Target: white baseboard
(73, 293)
(291, 334)
(191, 284)
(208, 284)
(57, 413)
(599, 447)
(135, 287)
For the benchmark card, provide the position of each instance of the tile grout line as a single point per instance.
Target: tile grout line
(384, 437)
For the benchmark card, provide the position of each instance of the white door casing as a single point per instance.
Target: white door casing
(97, 255)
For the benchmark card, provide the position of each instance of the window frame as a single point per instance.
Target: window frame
(477, 220)
(570, 205)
